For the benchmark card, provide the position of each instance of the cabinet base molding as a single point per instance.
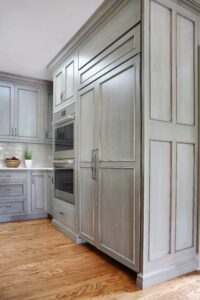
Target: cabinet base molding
(70, 234)
(198, 262)
(178, 269)
(23, 217)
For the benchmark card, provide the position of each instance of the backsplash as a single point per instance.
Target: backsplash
(41, 153)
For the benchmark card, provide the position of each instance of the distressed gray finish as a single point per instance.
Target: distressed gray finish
(65, 84)
(23, 109)
(170, 180)
(6, 109)
(160, 199)
(38, 192)
(160, 63)
(109, 120)
(153, 167)
(50, 193)
(27, 124)
(185, 71)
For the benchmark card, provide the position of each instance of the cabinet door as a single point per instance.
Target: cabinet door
(65, 84)
(87, 185)
(58, 88)
(69, 81)
(49, 117)
(27, 113)
(49, 193)
(119, 163)
(6, 110)
(38, 192)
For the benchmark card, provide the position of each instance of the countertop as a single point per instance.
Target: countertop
(26, 169)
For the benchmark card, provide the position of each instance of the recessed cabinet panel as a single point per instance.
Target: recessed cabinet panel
(86, 125)
(49, 132)
(160, 63)
(12, 207)
(116, 211)
(116, 26)
(185, 196)
(69, 80)
(5, 110)
(185, 71)
(58, 88)
(38, 192)
(118, 116)
(8, 190)
(160, 199)
(27, 113)
(87, 204)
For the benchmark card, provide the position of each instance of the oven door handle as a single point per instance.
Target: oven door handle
(64, 163)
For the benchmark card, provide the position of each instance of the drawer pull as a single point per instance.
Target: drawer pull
(7, 206)
(61, 213)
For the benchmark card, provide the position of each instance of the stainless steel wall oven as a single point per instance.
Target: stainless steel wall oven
(64, 181)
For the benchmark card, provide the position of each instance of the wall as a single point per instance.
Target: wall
(41, 153)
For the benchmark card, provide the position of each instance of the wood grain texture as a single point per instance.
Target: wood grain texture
(38, 262)
(182, 288)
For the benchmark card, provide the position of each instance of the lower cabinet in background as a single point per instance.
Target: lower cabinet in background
(38, 192)
(50, 193)
(25, 194)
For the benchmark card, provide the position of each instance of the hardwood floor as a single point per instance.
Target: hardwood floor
(39, 262)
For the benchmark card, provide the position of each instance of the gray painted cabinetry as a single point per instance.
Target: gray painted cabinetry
(137, 115)
(25, 194)
(25, 107)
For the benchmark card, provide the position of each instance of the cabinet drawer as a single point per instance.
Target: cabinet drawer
(13, 176)
(18, 189)
(65, 214)
(8, 207)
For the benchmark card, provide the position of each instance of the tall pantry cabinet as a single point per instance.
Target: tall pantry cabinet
(137, 117)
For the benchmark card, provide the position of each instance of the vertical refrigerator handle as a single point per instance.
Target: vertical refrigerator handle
(93, 164)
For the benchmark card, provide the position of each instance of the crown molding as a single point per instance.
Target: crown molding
(193, 5)
(99, 17)
(14, 78)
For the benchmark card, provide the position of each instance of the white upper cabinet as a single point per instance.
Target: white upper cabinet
(27, 118)
(65, 84)
(6, 110)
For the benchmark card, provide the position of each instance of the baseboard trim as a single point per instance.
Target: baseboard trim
(23, 217)
(179, 268)
(66, 231)
(198, 262)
